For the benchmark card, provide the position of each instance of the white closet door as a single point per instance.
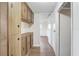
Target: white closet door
(65, 35)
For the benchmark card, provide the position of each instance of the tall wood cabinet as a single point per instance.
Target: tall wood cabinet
(18, 12)
(14, 25)
(3, 29)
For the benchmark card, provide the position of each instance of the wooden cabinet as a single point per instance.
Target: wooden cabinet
(18, 44)
(26, 43)
(29, 15)
(14, 45)
(31, 39)
(14, 28)
(26, 13)
(23, 44)
(11, 16)
(3, 29)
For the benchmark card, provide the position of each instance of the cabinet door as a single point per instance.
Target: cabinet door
(23, 45)
(14, 18)
(24, 12)
(15, 45)
(14, 28)
(29, 15)
(3, 29)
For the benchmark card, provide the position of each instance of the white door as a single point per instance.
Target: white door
(65, 35)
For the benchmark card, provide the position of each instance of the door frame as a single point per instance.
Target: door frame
(71, 25)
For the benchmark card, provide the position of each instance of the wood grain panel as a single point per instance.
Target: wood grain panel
(24, 11)
(29, 15)
(24, 44)
(14, 29)
(3, 28)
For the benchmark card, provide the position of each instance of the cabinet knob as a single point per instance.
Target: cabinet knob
(23, 48)
(18, 26)
(18, 38)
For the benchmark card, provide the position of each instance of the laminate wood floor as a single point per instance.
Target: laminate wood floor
(44, 50)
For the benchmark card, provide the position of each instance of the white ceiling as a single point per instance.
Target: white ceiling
(42, 6)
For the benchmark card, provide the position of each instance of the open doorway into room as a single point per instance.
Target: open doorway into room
(46, 40)
(45, 32)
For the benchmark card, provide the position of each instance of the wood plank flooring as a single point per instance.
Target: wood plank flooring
(44, 50)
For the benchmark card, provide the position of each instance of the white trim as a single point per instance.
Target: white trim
(71, 29)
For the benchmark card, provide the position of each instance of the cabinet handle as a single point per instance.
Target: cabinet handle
(18, 26)
(18, 38)
(23, 48)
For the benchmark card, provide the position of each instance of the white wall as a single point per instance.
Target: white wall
(26, 28)
(36, 29)
(75, 29)
(39, 18)
(65, 35)
(43, 29)
(52, 41)
(49, 28)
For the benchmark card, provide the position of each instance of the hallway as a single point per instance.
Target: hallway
(44, 50)
(39, 29)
